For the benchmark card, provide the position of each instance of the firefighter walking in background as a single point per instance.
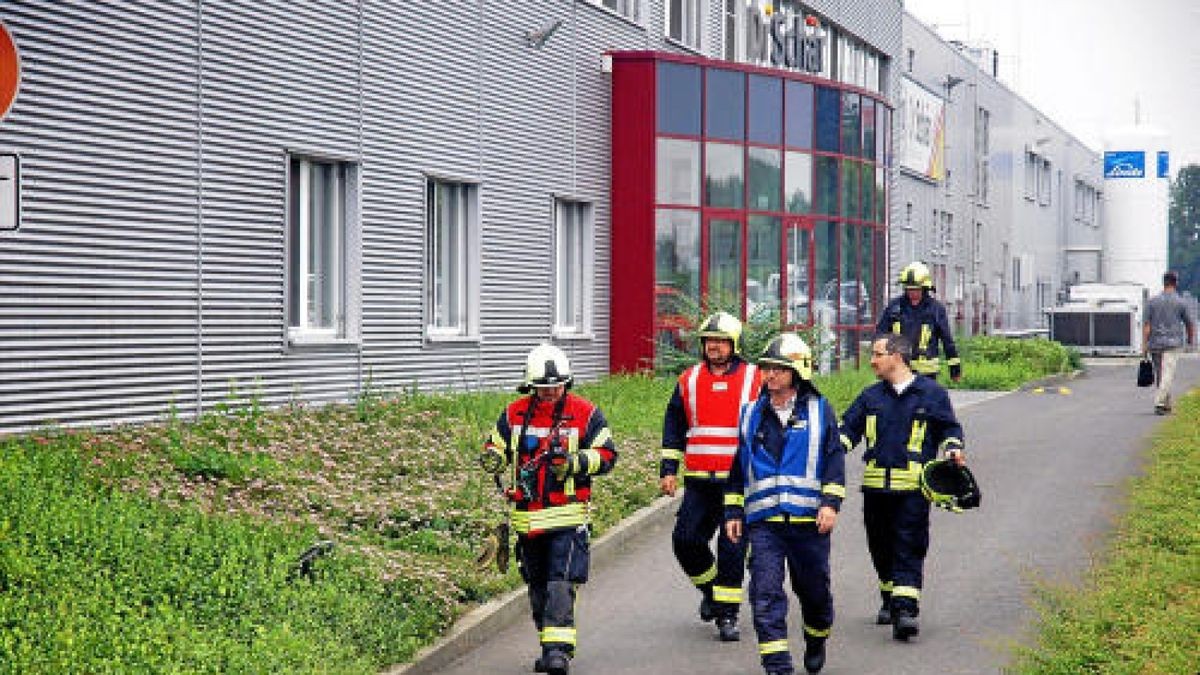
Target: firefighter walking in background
(786, 485)
(700, 430)
(554, 443)
(919, 317)
(906, 420)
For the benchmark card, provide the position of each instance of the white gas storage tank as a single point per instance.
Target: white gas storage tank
(1136, 199)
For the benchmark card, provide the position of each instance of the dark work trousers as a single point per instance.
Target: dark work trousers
(552, 563)
(806, 555)
(701, 515)
(898, 538)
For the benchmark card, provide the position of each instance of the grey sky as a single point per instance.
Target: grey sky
(1083, 62)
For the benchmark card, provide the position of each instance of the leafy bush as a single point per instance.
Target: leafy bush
(996, 363)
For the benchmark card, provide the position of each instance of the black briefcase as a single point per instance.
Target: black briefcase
(1145, 373)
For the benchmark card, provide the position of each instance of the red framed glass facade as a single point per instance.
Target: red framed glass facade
(752, 188)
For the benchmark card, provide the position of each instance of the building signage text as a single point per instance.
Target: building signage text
(785, 41)
(1164, 164)
(1125, 164)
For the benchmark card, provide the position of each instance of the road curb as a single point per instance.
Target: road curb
(478, 625)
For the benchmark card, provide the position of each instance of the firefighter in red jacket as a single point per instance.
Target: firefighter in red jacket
(700, 429)
(554, 442)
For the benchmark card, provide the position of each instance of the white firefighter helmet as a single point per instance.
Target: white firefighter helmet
(724, 326)
(546, 366)
(916, 275)
(789, 351)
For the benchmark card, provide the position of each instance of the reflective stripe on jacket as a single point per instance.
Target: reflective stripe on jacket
(701, 423)
(925, 325)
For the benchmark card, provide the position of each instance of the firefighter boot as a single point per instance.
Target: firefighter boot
(905, 624)
(553, 663)
(728, 629)
(708, 607)
(814, 654)
(884, 617)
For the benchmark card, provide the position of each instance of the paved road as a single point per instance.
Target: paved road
(1050, 467)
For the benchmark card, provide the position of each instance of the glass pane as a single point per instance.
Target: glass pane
(568, 267)
(829, 113)
(796, 285)
(868, 129)
(763, 251)
(724, 180)
(826, 260)
(866, 275)
(294, 226)
(868, 192)
(676, 274)
(798, 182)
(851, 124)
(881, 134)
(764, 179)
(725, 95)
(766, 109)
(849, 185)
(678, 179)
(322, 249)
(678, 98)
(880, 201)
(724, 262)
(850, 309)
(825, 177)
(799, 108)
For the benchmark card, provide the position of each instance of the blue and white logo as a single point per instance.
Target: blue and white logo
(1125, 164)
(1164, 164)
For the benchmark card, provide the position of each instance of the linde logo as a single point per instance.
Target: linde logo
(1125, 164)
(783, 40)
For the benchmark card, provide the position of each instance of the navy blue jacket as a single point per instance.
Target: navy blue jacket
(770, 436)
(925, 325)
(902, 431)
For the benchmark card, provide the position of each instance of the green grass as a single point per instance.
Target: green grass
(1002, 364)
(1139, 609)
(173, 546)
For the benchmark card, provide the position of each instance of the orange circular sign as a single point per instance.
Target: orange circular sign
(10, 70)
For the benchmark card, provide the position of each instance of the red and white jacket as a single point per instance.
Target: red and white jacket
(701, 424)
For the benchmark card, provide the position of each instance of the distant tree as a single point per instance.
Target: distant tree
(1184, 238)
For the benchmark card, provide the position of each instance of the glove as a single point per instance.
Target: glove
(564, 465)
(492, 461)
(956, 371)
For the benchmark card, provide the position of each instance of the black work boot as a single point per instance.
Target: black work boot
(884, 617)
(905, 624)
(539, 665)
(728, 629)
(555, 663)
(814, 654)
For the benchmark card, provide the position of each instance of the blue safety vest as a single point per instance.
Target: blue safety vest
(788, 485)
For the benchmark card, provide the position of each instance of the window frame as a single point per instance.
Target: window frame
(632, 14)
(697, 23)
(347, 260)
(581, 328)
(468, 327)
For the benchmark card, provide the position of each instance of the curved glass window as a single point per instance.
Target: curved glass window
(766, 110)
(763, 254)
(851, 124)
(725, 102)
(677, 179)
(825, 185)
(829, 115)
(723, 175)
(849, 185)
(799, 110)
(765, 172)
(797, 187)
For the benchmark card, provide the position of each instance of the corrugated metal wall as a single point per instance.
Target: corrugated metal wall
(150, 267)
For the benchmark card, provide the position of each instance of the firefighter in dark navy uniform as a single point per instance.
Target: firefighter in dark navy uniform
(554, 442)
(919, 317)
(700, 431)
(905, 421)
(785, 489)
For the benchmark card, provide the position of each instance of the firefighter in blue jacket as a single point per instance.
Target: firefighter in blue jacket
(906, 421)
(784, 491)
(919, 317)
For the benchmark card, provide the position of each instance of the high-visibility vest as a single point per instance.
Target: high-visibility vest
(789, 485)
(712, 403)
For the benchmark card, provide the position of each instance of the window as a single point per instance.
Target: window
(983, 121)
(1043, 182)
(1031, 171)
(912, 55)
(684, 18)
(452, 236)
(572, 266)
(626, 8)
(732, 15)
(317, 251)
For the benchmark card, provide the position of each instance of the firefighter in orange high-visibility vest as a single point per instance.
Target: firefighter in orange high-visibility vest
(553, 442)
(700, 435)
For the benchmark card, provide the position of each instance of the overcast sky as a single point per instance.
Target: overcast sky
(1083, 62)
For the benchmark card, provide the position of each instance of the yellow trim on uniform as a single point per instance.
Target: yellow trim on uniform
(951, 442)
(846, 443)
(497, 439)
(707, 475)
(603, 436)
(550, 518)
(906, 592)
(926, 334)
(834, 490)
(706, 576)
(881, 478)
(559, 635)
(926, 366)
(916, 438)
(788, 518)
(896, 327)
(727, 594)
(885, 586)
(817, 632)
(954, 361)
(594, 460)
(735, 499)
(773, 647)
(870, 432)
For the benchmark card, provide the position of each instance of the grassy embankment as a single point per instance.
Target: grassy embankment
(1138, 611)
(173, 546)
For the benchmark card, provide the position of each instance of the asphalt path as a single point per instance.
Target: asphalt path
(1051, 466)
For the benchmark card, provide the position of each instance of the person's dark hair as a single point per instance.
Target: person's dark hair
(1170, 279)
(896, 343)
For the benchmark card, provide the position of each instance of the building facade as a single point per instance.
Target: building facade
(304, 201)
